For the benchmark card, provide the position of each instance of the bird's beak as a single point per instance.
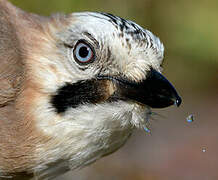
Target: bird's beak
(155, 91)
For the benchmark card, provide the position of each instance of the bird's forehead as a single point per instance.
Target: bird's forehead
(108, 27)
(109, 24)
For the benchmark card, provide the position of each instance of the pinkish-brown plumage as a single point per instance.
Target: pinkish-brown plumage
(60, 111)
(21, 35)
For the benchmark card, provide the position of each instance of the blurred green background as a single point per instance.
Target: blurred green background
(189, 31)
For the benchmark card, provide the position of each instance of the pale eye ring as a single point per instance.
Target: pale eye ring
(83, 52)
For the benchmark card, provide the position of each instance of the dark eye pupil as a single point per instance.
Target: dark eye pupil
(83, 52)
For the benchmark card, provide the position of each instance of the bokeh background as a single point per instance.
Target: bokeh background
(176, 149)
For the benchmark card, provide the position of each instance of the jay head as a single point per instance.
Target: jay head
(73, 88)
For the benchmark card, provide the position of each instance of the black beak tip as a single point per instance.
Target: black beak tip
(178, 101)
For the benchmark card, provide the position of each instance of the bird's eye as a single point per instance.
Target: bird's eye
(83, 53)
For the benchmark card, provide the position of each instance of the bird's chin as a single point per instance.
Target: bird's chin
(141, 115)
